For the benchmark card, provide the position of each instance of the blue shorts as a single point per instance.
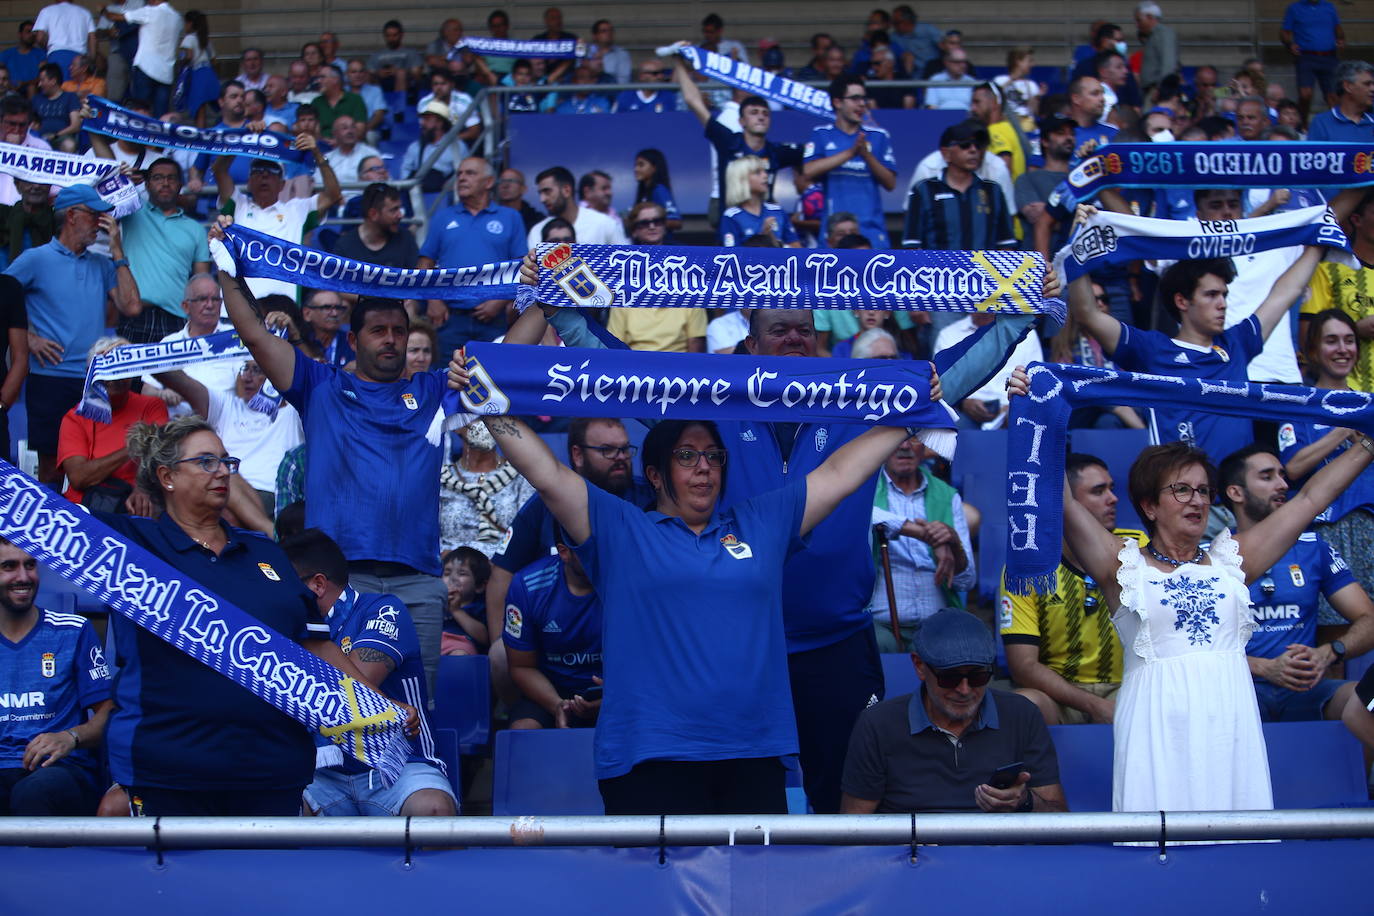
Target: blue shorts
(335, 794)
(1319, 69)
(1279, 704)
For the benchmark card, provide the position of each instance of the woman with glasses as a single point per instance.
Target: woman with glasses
(183, 739)
(697, 709)
(1187, 726)
(665, 329)
(1074, 345)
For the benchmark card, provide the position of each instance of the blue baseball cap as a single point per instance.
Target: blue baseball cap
(952, 638)
(81, 195)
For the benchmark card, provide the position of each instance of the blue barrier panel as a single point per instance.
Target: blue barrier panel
(609, 142)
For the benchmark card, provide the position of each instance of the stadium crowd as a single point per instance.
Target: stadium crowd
(611, 593)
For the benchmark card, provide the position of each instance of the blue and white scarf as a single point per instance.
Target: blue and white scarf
(1000, 282)
(1116, 238)
(122, 124)
(569, 382)
(149, 592)
(743, 75)
(137, 360)
(1038, 425)
(567, 48)
(43, 166)
(1229, 164)
(255, 254)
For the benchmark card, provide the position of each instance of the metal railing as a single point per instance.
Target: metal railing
(1152, 829)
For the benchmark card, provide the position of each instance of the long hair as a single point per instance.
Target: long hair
(645, 189)
(201, 27)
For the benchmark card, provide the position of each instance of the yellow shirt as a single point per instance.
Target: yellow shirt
(1336, 286)
(666, 330)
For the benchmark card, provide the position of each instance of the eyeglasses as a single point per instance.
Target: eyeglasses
(691, 457)
(332, 309)
(1184, 493)
(251, 369)
(1103, 298)
(210, 463)
(854, 98)
(375, 168)
(649, 223)
(963, 145)
(614, 451)
(950, 678)
(197, 300)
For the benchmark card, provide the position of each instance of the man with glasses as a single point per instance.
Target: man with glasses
(1291, 668)
(68, 290)
(956, 70)
(1062, 647)
(323, 311)
(379, 238)
(203, 305)
(853, 161)
(946, 747)
(16, 127)
(957, 210)
(655, 100)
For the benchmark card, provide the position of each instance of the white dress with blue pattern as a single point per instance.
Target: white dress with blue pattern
(1187, 726)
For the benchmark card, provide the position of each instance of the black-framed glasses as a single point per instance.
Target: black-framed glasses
(333, 309)
(196, 300)
(651, 222)
(950, 678)
(1184, 493)
(691, 457)
(210, 463)
(613, 451)
(1103, 298)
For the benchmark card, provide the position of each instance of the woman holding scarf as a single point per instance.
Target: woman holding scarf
(479, 494)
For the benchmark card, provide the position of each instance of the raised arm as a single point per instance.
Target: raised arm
(332, 193)
(1309, 456)
(1263, 545)
(224, 185)
(276, 357)
(1288, 289)
(691, 92)
(193, 391)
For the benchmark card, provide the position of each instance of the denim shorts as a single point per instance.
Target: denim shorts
(335, 794)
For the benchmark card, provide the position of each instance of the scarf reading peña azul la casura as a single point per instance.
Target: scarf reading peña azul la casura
(754, 80)
(122, 124)
(86, 552)
(1222, 164)
(1116, 238)
(1037, 432)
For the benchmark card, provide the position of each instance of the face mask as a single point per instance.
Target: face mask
(477, 436)
(1162, 136)
(1121, 48)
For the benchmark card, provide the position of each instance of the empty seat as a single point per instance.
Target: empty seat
(1118, 448)
(899, 676)
(545, 771)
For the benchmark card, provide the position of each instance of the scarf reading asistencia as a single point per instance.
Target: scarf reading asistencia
(1224, 164)
(149, 592)
(122, 124)
(1038, 424)
(754, 80)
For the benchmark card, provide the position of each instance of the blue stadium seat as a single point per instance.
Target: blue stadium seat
(461, 718)
(1085, 765)
(57, 594)
(981, 453)
(544, 771)
(899, 676)
(1119, 448)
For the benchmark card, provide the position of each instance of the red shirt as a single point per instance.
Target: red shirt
(79, 437)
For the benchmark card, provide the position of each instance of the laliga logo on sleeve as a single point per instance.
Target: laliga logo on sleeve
(575, 278)
(483, 395)
(736, 548)
(1093, 242)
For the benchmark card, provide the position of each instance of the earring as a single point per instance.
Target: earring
(169, 486)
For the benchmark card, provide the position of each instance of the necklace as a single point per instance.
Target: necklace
(1170, 560)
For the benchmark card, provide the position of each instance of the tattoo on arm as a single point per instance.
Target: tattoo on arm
(501, 426)
(371, 656)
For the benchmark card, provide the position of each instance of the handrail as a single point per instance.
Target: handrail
(967, 829)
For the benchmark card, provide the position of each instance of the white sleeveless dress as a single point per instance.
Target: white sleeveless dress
(1187, 726)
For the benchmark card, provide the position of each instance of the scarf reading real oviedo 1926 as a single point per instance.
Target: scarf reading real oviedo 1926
(1037, 434)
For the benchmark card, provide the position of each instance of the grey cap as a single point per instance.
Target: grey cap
(952, 638)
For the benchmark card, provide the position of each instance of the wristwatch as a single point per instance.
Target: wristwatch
(122, 262)
(1338, 648)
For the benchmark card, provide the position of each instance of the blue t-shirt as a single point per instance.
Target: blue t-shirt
(1332, 126)
(370, 488)
(663, 196)
(1285, 597)
(738, 224)
(54, 114)
(1226, 361)
(1102, 133)
(591, 104)
(178, 724)
(65, 294)
(695, 658)
(382, 622)
(730, 145)
(460, 238)
(852, 187)
(23, 67)
(825, 587)
(1313, 24)
(1358, 494)
(47, 681)
(629, 101)
(562, 629)
(531, 534)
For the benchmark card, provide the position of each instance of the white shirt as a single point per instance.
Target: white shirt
(725, 332)
(159, 35)
(995, 389)
(457, 103)
(592, 228)
(255, 438)
(8, 193)
(992, 169)
(345, 165)
(67, 26)
(948, 98)
(285, 219)
(249, 83)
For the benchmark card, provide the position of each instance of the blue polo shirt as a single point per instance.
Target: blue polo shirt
(460, 238)
(1313, 24)
(1334, 127)
(852, 187)
(661, 101)
(1358, 494)
(1285, 597)
(563, 630)
(695, 658)
(663, 196)
(65, 295)
(826, 587)
(530, 537)
(738, 224)
(371, 486)
(47, 680)
(382, 622)
(23, 67)
(1102, 133)
(161, 250)
(180, 725)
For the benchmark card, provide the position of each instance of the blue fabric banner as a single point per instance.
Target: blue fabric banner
(122, 124)
(1116, 238)
(137, 360)
(137, 584)
(1225, 164)
(1038, 425)
(570, 382)
(1000, 282)
(256, 254)
(515, 47)
(743, 75)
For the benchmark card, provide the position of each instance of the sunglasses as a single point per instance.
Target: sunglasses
(950, 678)
(691, 457)
(963, 145)
(648, 223)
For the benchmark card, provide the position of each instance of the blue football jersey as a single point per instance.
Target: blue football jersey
(562, 629)
(851, 187)
(1285, 597)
